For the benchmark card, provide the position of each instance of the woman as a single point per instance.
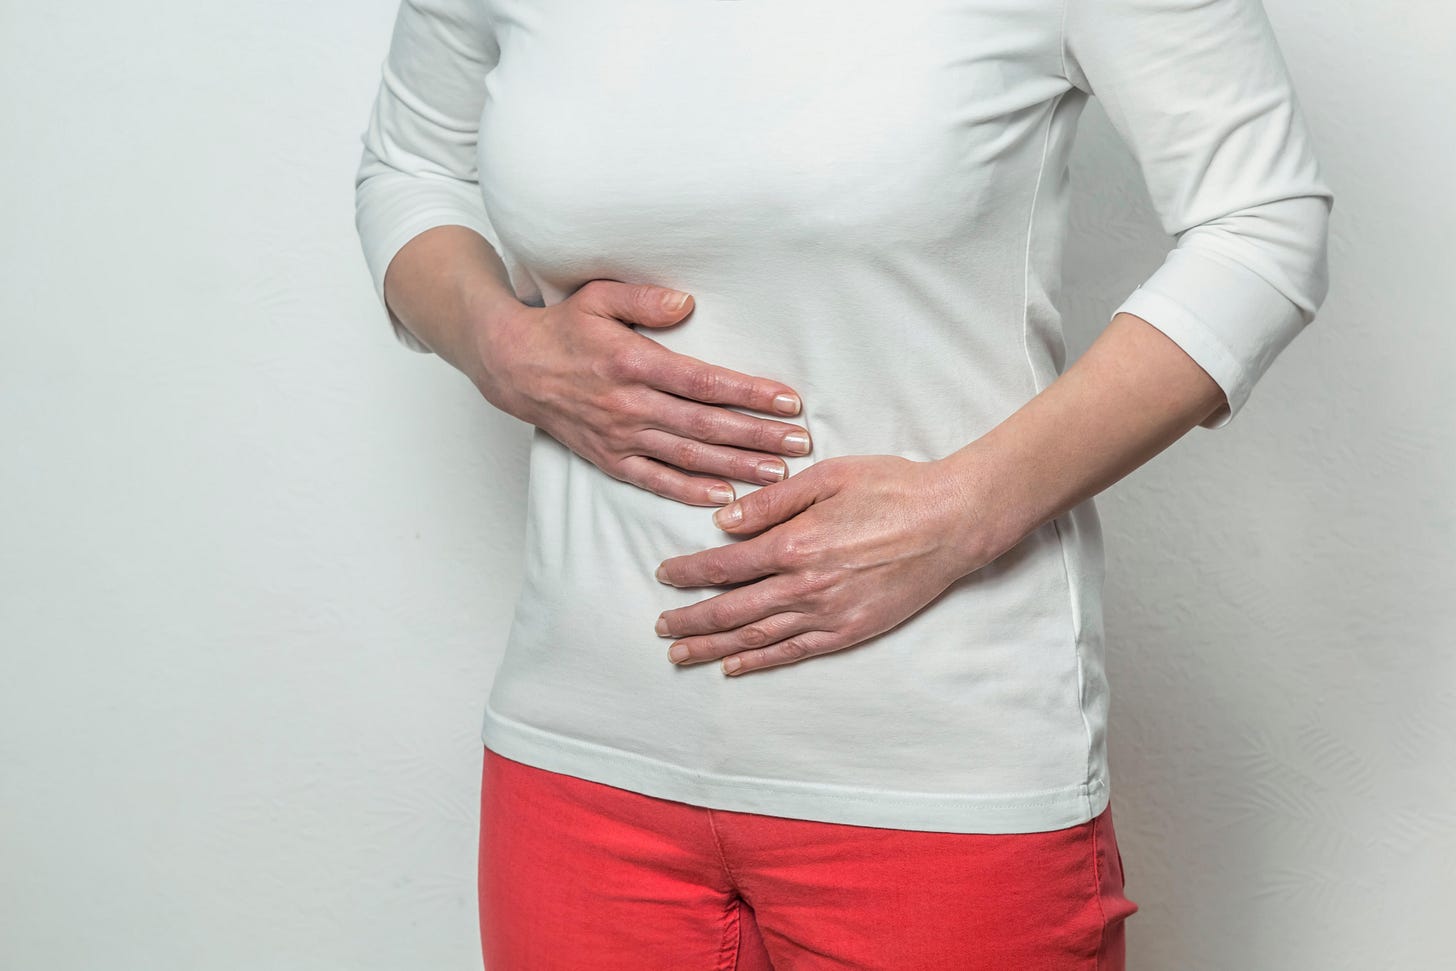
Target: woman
(672, 237)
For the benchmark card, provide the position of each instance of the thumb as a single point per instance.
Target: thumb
(771, 504)
(637, 303)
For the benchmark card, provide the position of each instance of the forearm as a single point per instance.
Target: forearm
(450, 289)
(1128, 397)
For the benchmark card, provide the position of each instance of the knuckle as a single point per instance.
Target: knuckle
(756, 635)
(619, 400)
(790, 560)
(856, 619)
(608, 367)
(614, 434)
(627, 360)
(795, 649)
(701, 422)
(649, 481)
(615, 439)
(703, 383)
(685, 453)
(656, 482)
(613, 469)
(790, 552)
(798, 552)
(719, 615)
(816, 582)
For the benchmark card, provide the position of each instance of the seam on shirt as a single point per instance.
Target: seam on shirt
(1076, 627)
(1030, 229)
(1062, 43)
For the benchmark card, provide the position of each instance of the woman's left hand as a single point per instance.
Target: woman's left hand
(848, 548)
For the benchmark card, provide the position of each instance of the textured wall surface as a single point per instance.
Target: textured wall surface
(258, 560)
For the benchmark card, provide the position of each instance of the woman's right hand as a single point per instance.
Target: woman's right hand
(638, 411)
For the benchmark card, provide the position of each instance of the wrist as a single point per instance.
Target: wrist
(992, 513)
(493, 320)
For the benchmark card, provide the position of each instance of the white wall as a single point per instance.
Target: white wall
(257, 560)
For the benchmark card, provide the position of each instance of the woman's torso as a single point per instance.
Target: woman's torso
(867, 202)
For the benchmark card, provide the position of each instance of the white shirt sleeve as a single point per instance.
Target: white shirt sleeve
(418, 168)
(1200, 93)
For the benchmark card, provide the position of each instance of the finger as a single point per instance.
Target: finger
(775, 503)
(723, 426)
(728, 610)
(796, 648)
(755, 634)
(681, 374)
(702, 458)
(689, 377)
(636, 303)
(670, 483)
(721, 565)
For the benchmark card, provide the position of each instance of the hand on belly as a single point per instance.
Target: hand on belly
(637, 410)
(846, 549)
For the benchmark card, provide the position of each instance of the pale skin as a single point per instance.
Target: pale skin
(847, 548)
(853, 545)
(636, 410)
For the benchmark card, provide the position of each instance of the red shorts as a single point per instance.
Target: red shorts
(579, 875)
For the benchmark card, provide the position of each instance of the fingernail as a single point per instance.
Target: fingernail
(720, 495)
(731, 665)
(728, 515)
(674, 300)
(796, 442)
(786, 404)
(661, 625)
(772, 470)
(677, 653)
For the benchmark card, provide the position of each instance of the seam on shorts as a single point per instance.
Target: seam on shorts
(722, 857)
(1097, 890)
(731, 948)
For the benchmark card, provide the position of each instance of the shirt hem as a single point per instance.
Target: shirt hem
(1028, 812)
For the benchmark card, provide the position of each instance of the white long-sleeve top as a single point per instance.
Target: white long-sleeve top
(867, 201)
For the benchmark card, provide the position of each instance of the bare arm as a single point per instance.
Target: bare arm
(574, 369)
(1130, 395)
(449, 287)
(646, 415)
(855, 544)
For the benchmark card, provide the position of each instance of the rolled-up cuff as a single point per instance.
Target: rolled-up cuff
(1226, 317)
(391, 213)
